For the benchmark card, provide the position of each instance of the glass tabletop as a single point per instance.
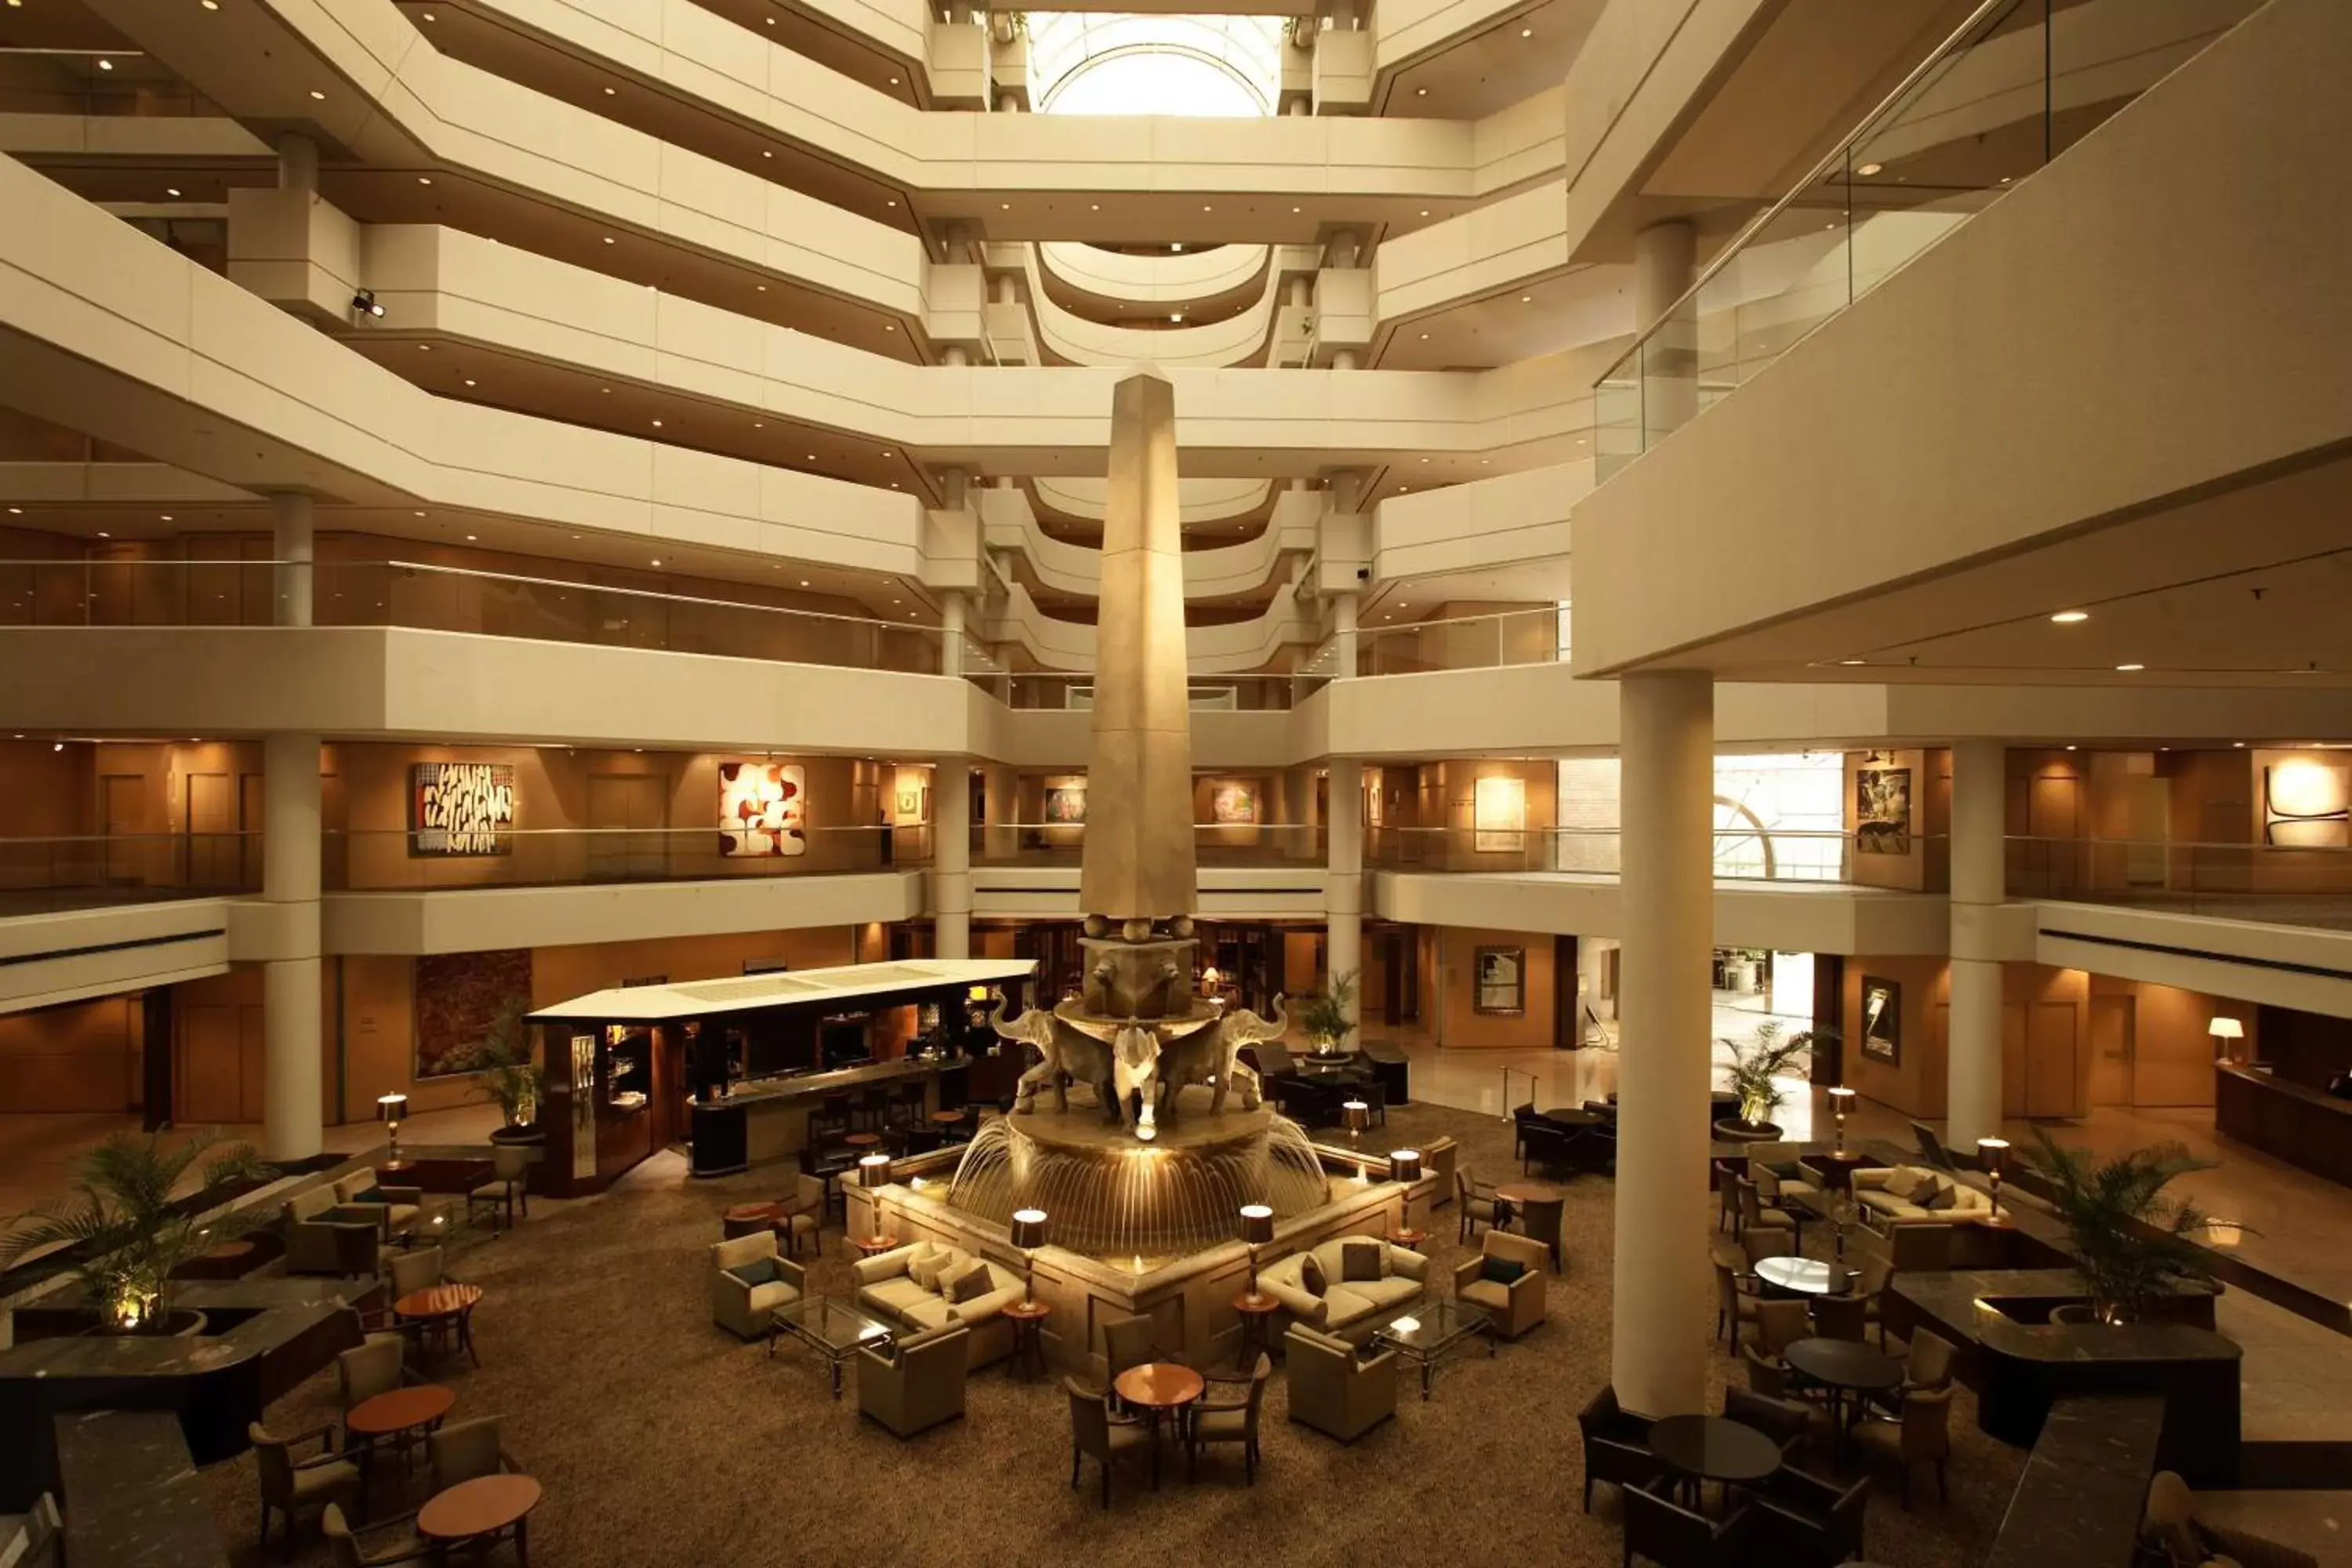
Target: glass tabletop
(835, 1325)
(1429, 1326)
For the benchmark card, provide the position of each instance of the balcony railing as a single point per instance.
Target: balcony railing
(1214, 843)
(2018, 83)
(1741, 853)
(46, 875)
(2271, 884)
(1461, 642)
(389, 860)
(1206, 693)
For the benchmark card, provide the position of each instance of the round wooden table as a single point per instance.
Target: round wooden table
(862, 1140)
(1256, 1312)
(1027, 1319)
(1843, 1367)
(947, 1118)
(442, 1310)
(750, 1219)
(1573, 1116)
(395, 1414)
(1160, 1388)
(483, 1506)
(873, 1245)
(1528, 1193)
(1408, 1239)
(1799, 1276)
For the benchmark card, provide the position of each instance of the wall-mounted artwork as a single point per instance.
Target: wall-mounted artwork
(1502, 981)
(461, 808)
(1882, 811)
(1233, 802)
(1066, 803)
(1498, 815)
(2306, 805)
(458, 995)
(762, 809)
(1881, 1020)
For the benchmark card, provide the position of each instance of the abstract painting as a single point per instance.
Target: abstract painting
(762, 809)
(1881, 1020)
(2304, 805)
(1233, 802)
(458, 995)
(1498, 815)
(1882, 811)
(1502, 981)
(461, 808)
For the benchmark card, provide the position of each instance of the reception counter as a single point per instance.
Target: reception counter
(2285, 1118)
(766, 1119)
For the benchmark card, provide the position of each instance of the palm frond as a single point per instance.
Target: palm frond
(2131, 1243)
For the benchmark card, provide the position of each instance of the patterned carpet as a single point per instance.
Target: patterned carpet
(663, 1441)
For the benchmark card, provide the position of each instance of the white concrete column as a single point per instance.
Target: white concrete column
(291, 516)
(1973, 1051)
(1006, 291)
(951, 857)
(1343, 633)
(999, 837)
(291, 1110)
(1343, 359)
(1008, 103)
(298, 163)
(1301, 291)
(1663, 258)
(951, 618)
(1343, 897)
(1659, 1332)
(953, 355)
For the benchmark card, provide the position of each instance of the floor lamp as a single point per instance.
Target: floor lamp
(873, 1172)
(1258, 1229)
(1993, 1153)
(1028, 1236)
(392, 1107)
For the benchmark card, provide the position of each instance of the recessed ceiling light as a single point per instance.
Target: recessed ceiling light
(657, 423)
(1206, 208)
(1004, 207)
(424, 179)
(2068, 617)
(2127, 668)
(1850, 661)
(2070, 748)
(1526, 298)
(610, 91)
(608, 239)
(894, 81)
(1421, 92)
(420, 514)
(1869, 169)
(812, 457)
(215, 6)
(656, 559)
(103, 534)
(1527, 32)
(469, 381)
(163, 517)
(470, 538)
(605, 389)
(170, 190)
(2004, 179)
(1424, 212)
(2239, 745)
(425, 348)
(15, 512)
(1176, 316)
(1424, 337)
(805, 583)
(106, 64)
(319, 96)
(890, 326)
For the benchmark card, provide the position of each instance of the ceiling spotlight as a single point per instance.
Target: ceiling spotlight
(657, 423)
(207, 5)
(1176, 316)
(656, 559)
(2069, 617)
(170, 190)
(469, 381)
(611, 91)
(317, 96)
(609, 240)
(106, 64)
(103, 534)
(1850, 662)
(1527, 32)
(365, 303)
(424, 179)
(1526, 298)
(1424, 212)
(470, 538)
(1421, 92)
(805, 583)
(1424, 337)
(162, 517)
(1869, 169)
(2128, 668)
(894, 81)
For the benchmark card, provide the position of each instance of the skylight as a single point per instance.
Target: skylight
(1101, 62)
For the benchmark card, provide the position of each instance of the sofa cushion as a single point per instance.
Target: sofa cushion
(928, 1313)
(1909, 1183)
(970, 1282)
(1943, 1197)
(1501, 1270)
(1342, 1306)
(774, 1294)
(1387, 1292)
(1887, 1204)
(1488, 1294)
(1786, 1170)
(1362, 1261)
(898, 1295)
(1310, 1276)
(925, 1264)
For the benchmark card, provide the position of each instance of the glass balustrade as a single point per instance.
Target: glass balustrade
(1075, 690)
(1741, 853)
(2018, 83)
(387, 860)
(46, 875)
(2270, 884)
(1214, 843)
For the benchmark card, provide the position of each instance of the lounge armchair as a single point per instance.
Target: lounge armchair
(803, 1216)
(1664, 1530)
(1804, 1521)
(1476, 1206)
(919, 1383)
(1227, 1417)
(1512, 1306)
(1616, 1444)
(2174, 1534)
(396, 1209)
(509, 1170)
(1331, 1390)
(1351, 1307)
(1778, 1325)
(1922, 1434)
(749, 1282)
(321, 1237)
(292, 1487)
(925, 1286)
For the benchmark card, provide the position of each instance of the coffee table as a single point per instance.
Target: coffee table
(831, 1327)
(1800, 1275)
(1425, 1331)
(483, 1506)
(1843, 1367)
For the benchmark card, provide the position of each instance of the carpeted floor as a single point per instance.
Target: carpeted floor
(663, 1441)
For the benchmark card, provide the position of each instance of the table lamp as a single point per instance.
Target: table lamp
(1991, 1153)
(391, 1108)
(874, 1170)
(1258, 1229)
(2225, 1032)
(1028, 1236)
(1356, 1116)
(1404, 1165)
(1841, 1102)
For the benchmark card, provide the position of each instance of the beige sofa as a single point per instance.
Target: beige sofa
(1887, 1199)
(1350, 1308)
(892, 1285)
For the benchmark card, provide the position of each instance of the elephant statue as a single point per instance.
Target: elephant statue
(1198, 1056)
(1243, 1028)
(1135, 1072)
(1062, 1050)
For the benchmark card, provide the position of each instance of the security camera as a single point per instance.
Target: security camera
(365, 303)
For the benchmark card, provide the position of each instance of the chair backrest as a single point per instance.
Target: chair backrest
(1659, 1528)
(1878, 1268)
(310, 1204)
(1930, 1361)
(371, 1369)
(742, 1249)
(1520, 1249)
(1126, 1343)
(1926, 1424)
(1840, 1317)
(808, 1191)
(1462, 1192)
(1601, 1412)
(341, 1542)
(1780, 1324)
(1524, 1114)
(1760, 1242)
(417, 1270)
(1784, 1421)
(1544, 1220)
(942, 1356)
(461, 1450)
(1750, 1209)
(1089, 1419)
(511, 1162)
(271, 1463)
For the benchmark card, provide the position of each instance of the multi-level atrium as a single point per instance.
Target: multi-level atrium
(549, 638)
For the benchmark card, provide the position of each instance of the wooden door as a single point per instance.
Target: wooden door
(122, 818)
(249, 821)
(211, 831)
(2052, 1070)
(2112, 1032)
(215, 1080)
(627, 810)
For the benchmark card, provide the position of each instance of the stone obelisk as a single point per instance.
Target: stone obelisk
(1139, 861)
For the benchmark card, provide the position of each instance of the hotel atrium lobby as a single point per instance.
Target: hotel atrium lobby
(1562, 782)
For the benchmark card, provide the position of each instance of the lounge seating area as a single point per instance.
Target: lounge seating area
(1342, 1287)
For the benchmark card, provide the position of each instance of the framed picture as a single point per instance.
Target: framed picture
(1234, 804)
(1881, 1020)
(2305, 805)
(461, 808)
(1882, 811)
(459, 997)
(1502, 981)
(762, 809)
(910, 805)
(1066, 803)
(1498, 815)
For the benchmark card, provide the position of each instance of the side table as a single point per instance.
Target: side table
(1408, 1239)
(873, 1245)
(1028, 1320)
(1256, 1313)
(750, 1219)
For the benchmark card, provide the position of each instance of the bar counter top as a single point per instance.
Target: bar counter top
(798, 1086)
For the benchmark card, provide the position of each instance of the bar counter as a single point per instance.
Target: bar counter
(765, 1120)
(2285, 1118)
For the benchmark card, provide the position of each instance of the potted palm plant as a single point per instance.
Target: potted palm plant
(128, 1235)
(1757, 1065)
(1325, 1017)
(2132, 1246)
(512, 1078)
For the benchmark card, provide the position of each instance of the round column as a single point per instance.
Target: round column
(951, 858)
(298, 163)
(1343, 886)
(1973, 1051)
(1343, 635)
(951, 621)
(1664, 257)
(292, 1113)
(292, 517)
(1659, 1330)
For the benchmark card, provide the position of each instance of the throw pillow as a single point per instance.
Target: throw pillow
(1310, 1277)
(1501, 1270)
(1906, 1184)
(1946, 1195)
(969, 1283)
(1362, 1259)
(759, 1271)
(923, 1267)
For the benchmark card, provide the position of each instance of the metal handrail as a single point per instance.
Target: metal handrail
(1813, 175)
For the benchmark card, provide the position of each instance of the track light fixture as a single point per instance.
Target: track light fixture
(365, 303)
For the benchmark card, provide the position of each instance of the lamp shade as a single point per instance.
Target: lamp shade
(391, 1107)
(1257, 1224)
(1404, 1165)
(874, 1170)
(1842, 1095)
(1028, 1230)
(2226, 1029)
(1991, 1151)
(1356, 1115)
